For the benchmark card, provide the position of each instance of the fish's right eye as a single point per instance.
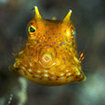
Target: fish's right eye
(31, 29)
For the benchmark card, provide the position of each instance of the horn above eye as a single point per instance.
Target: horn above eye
(37, 13)
(67, 17)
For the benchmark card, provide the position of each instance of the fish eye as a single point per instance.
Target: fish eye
(31, 29)
(74, 32)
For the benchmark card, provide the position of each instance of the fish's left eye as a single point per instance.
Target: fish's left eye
(74, 32)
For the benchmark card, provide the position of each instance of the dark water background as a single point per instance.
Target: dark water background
(89, 19)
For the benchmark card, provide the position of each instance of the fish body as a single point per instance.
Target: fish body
(50, 56)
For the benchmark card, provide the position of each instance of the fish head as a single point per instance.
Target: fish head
(50, 56)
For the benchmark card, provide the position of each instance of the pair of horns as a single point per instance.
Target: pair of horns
(38, 16)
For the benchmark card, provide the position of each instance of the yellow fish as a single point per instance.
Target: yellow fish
(50, 56)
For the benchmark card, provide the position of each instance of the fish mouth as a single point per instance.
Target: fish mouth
(51, 68)
(54, 76)
(47, 57)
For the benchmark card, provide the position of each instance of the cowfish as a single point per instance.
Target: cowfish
(50, 55)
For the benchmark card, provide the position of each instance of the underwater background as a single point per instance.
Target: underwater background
(88, 17)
